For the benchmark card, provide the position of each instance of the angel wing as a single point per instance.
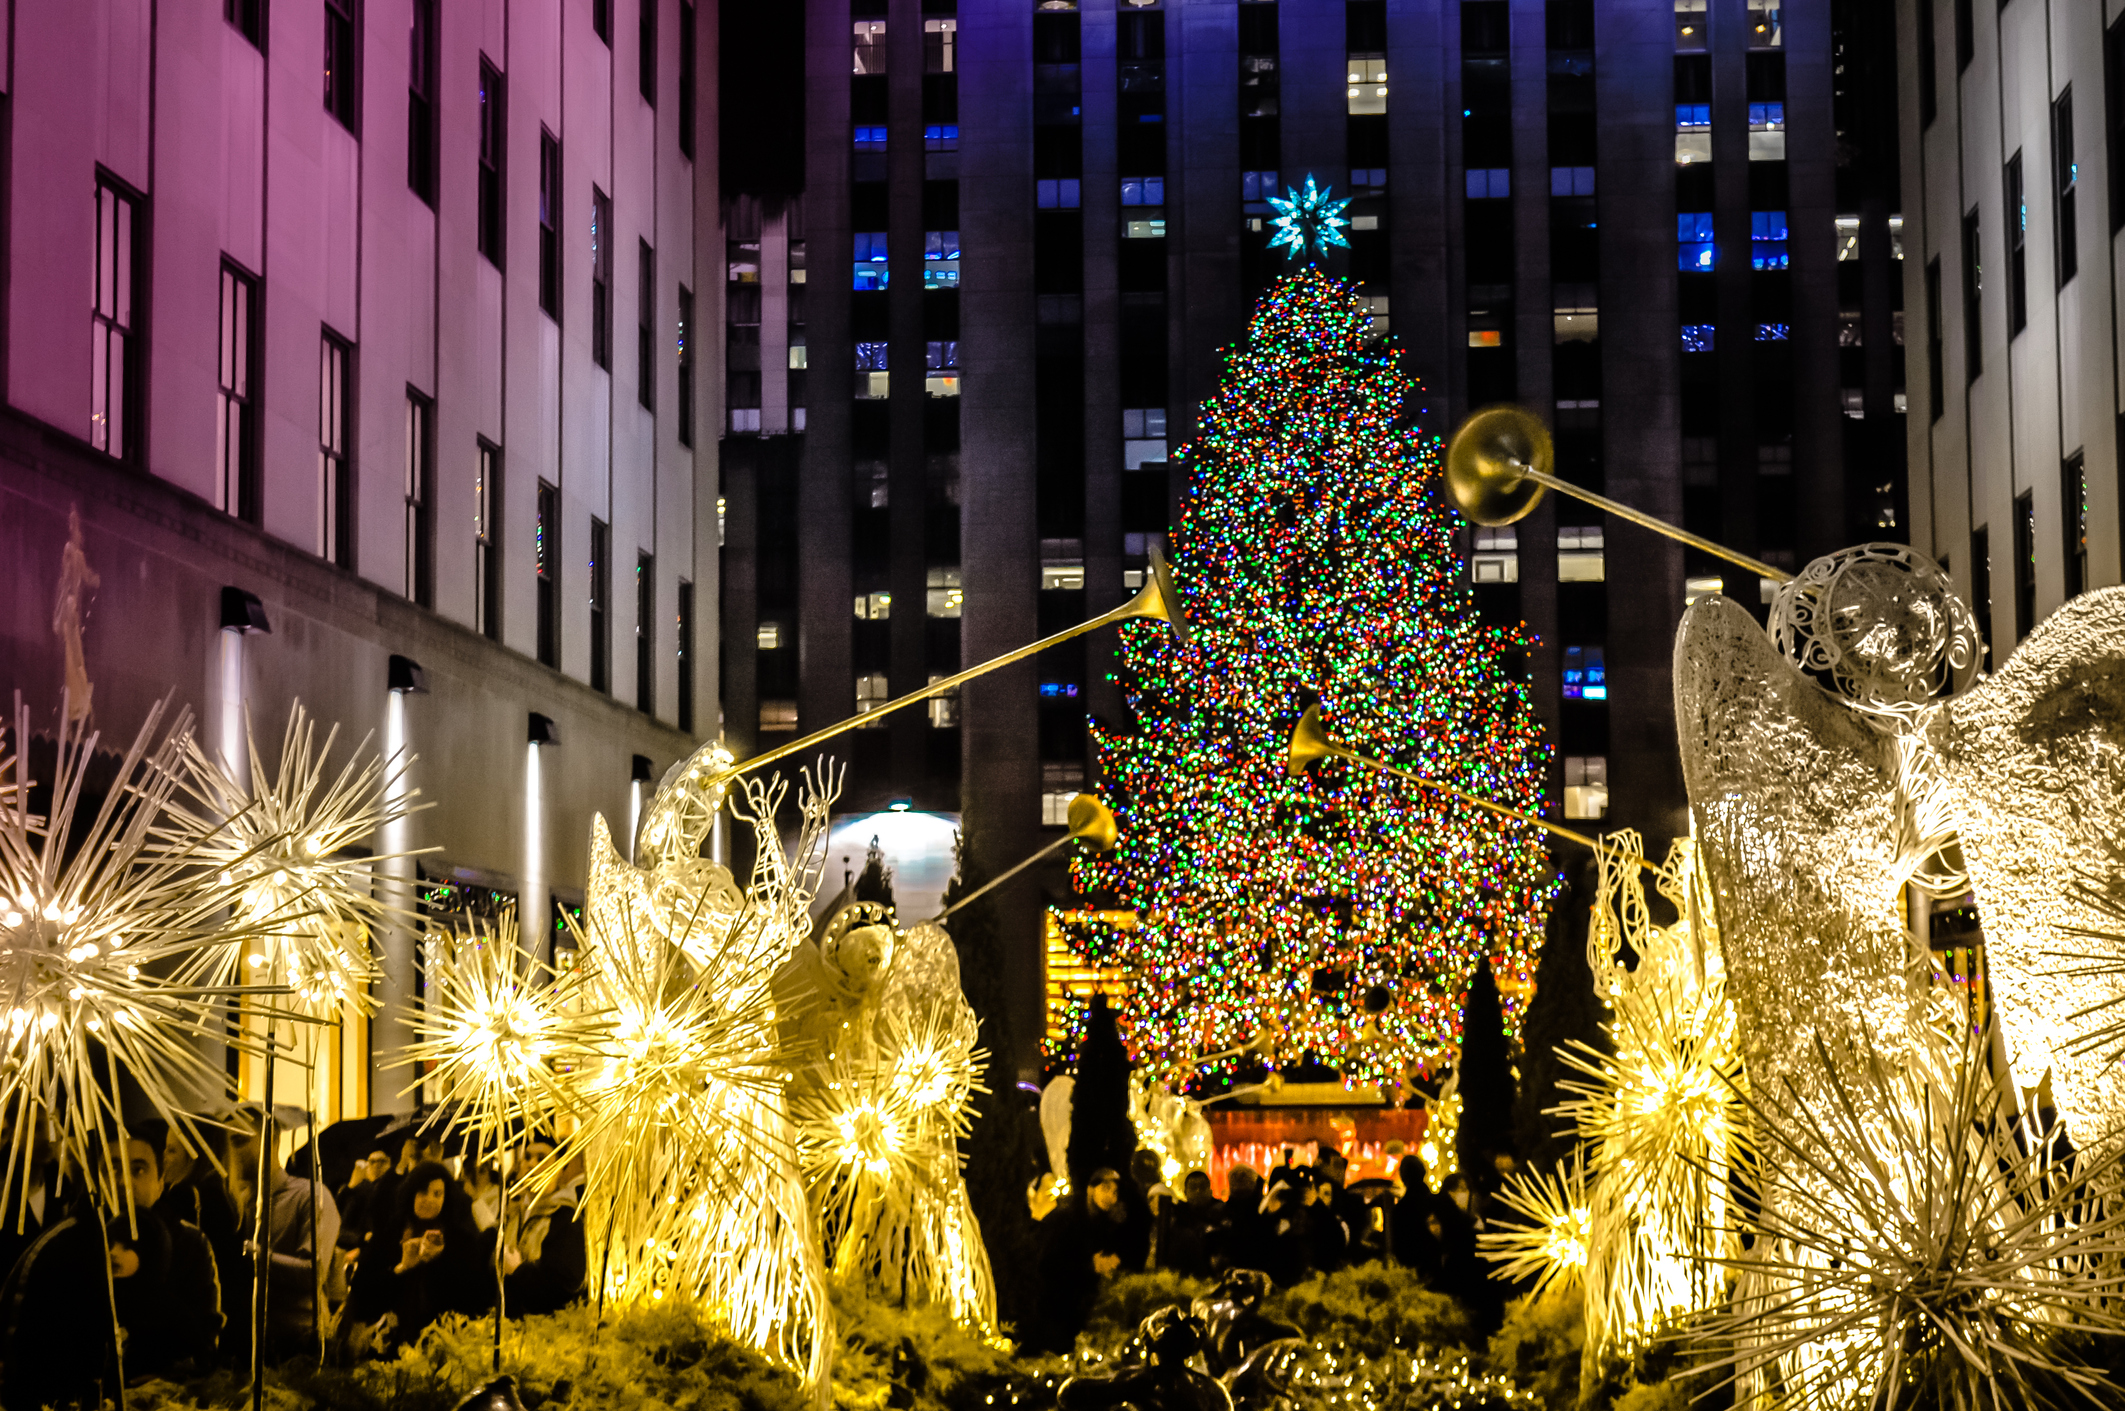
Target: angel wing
(2033, 760)
(1794, 796)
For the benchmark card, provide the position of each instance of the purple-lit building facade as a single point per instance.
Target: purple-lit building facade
(379, 312)
(964, 343)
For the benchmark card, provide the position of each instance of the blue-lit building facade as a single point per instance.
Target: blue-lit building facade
(964, 343)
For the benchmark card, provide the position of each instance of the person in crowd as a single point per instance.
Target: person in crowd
(1461, 1271)
(1193, 1226)
(369, 1181)
(1289, 1222)
(1410, 1227)
(1331, 1233)
(56, 1310)
(1241, 1244)
(1086, 1244)
(33, 1205)
(195, 1191)
(300, 1227)
(483, 1187)
(431, 1261)
(1146, 1197)
(546, 1262)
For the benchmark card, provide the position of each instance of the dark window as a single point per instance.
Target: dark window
(646, 333)
(2024, 563)
(2017, 253)
(2073, 499)
(2065, 181)
(114, 350)
(343, 63)
(1927, 103)
(2114, 113)
(600, 605)
(686, 78)
(1936, 380)
(1973, 285)
(249, 18)
(686, 656)
(1981, 586)
(494, 101)
(549, 223)
(486, 541)
(1965, 34)
(601, 20)
(420, 103)
(646, 633)
(236, 427)
(649, 52)
(600, 278)
(546, 559)
(335, 445)
(685, 367)
(420, 499)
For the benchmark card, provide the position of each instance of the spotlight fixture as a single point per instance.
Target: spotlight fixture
(641, 773)
(242, 611)
(406, 676)
(543, 730)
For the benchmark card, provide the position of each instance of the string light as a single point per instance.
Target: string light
(1315, 563)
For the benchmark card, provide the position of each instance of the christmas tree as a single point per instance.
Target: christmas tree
(1316, 564)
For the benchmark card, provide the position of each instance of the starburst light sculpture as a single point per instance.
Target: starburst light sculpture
(284, 842)
(1549, 1242)
(103, 914)
(1307, 221)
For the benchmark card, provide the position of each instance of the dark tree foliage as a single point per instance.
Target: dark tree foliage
(1486, 1076)
(1100, 1131)
(1003, 1150)
(875, 882)
(1564, 1010)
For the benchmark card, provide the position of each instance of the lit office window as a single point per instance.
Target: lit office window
(940, 259)
(872, 380)
(1693, 133)
(768, 636)
(1767, 132)
(944, 706)
(1580, 555)
(1367, 91)
(1586, 786)
(1258, 185)
(941, 137)
(778, 717)
(868, 41)
(1489, 183)
(1689, 24)
(1494, 556)
(1585, 678)
(871, 138)
(1143, 436)
(1847, 237)
(1767, 239)
(1571, 181)
(870, 256)
(1694, 250)
(874, 607)
(1699, 337)
(871, 692)
(1766, 25)
(1061, 194)
(941, 368)
(1059, 783)
(943, 597)
(940, 40)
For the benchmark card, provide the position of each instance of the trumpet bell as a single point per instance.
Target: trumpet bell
(1309, 742)
(1158, 599)
(1487, 464)
(1092, 823)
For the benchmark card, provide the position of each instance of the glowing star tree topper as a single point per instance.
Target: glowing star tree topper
(1348, 908)
(1308, 221)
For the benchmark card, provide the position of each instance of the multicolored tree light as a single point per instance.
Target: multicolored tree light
(1316, 565)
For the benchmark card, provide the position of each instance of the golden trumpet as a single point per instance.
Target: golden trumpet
(1499, 462)
(1091, 822)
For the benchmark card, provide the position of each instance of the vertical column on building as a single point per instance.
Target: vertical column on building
(999, 538)
(826, 675)
(886, 240)
(1061, 214)
(1118, 485)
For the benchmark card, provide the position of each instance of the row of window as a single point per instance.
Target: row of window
(940, 45)
(1696, 251)
(1763, 20)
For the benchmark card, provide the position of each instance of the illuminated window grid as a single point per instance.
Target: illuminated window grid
(1070, 980)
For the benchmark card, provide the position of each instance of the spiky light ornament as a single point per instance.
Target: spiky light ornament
(1548, 1242)
(285, 842)
(102, 922)
(1925, 1252)
(1308, 221)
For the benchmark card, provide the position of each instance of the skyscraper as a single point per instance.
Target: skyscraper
(1026, 227)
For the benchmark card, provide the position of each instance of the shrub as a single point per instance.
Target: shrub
(1539, 1348)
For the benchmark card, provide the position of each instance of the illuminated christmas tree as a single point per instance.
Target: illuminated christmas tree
(1317, 564)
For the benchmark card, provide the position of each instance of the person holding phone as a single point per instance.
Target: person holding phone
(433, 1261)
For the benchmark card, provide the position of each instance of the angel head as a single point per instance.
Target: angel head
(858, 946)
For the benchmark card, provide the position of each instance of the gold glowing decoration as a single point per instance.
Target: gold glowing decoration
(691, 1186)
(493, 1035)
(103, 915)
(1546, 1241)
(883, 1045)
(1498, 464)
(1932, 1254)
(289, 848)
(1172, 1125)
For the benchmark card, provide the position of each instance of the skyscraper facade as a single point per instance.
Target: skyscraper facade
(1026, 228)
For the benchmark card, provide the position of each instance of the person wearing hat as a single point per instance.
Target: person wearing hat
(1085, 1244)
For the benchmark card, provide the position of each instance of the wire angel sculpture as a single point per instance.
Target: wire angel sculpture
(104, 913)
(691, 1185)
(881, 1108)
(284, 841)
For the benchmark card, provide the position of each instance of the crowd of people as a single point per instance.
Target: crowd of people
(1298, 1221)
(169, 1285)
